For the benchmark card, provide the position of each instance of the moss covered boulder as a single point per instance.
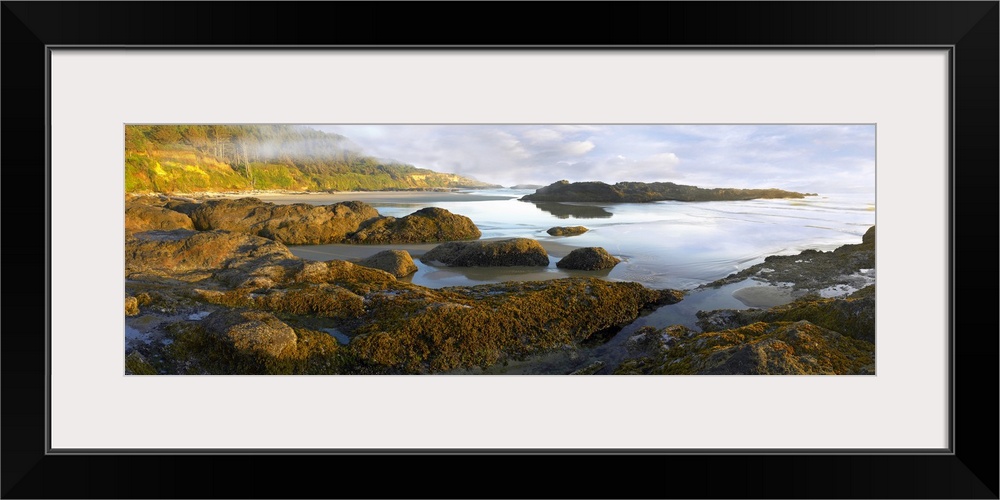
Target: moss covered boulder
(778, 348)
(136, 364)
(511, 252)
(567, 230)
(426, 225)
(131, 306)
(853, 316)
(479, 326)
(253, 331)
(588, 259)
(395, 262)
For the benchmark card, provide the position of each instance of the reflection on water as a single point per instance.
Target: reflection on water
(566, 210)
(664, 244)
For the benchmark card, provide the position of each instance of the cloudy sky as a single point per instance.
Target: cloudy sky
(815, 158)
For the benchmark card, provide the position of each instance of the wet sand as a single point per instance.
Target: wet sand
(764, 296)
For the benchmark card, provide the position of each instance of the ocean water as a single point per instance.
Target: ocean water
(662, 245)
(678, 245)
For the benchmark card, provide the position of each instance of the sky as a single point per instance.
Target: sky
(813, 158)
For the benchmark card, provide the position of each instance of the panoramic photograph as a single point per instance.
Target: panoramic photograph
(499, 249)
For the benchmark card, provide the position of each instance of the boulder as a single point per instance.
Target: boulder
(395, 262)
(588, 259)
(429, 224)
(136, 364)
(297, 224)
(567, 230)
(252, 331)
(512, 252)
(192, 255)
(141, 216)
(869, 237)
(131, 306)
(775, 348)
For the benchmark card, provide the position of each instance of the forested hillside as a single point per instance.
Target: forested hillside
(193, 158)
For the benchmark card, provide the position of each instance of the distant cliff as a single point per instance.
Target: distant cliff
(637, 192)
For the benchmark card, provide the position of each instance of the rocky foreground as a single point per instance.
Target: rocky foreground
(640, 192)
(812, 335)
(217, 292)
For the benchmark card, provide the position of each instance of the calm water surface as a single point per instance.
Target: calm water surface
(664, 244)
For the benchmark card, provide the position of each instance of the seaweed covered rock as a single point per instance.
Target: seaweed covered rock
(588, 259)
(395, 262)
(869, 237)
(296, 224)
(511, 252)
(254, 331)
(131, 306)
(479, 326)
(778, 348)
(567, 230)
(853, 316)
(136, 364)
(429, 224)
(639, 192)
(192, 255)
(838, 272)
(143, 216)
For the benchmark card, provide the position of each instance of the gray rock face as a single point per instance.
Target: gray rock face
(254, 331)
(512, 252)
(567, 230)
(395, 262)
(588, 259)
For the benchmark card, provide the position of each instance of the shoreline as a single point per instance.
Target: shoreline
(283, 197)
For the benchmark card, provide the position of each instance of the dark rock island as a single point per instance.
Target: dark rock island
(640, 192)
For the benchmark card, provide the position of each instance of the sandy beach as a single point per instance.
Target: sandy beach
(282, 198)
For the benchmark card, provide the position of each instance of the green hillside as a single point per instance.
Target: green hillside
(193, 158)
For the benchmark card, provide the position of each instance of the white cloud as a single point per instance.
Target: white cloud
(810, 157)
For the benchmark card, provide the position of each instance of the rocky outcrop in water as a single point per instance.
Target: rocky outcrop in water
(588, 259)
(811, 335)
(847, 268)
(425, 225)
(395, 262)
(567, 230)
(511, 252)
(778, 348)
(853, 316)
(640, 192)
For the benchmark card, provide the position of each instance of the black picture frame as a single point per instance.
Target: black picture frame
(969, 470)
